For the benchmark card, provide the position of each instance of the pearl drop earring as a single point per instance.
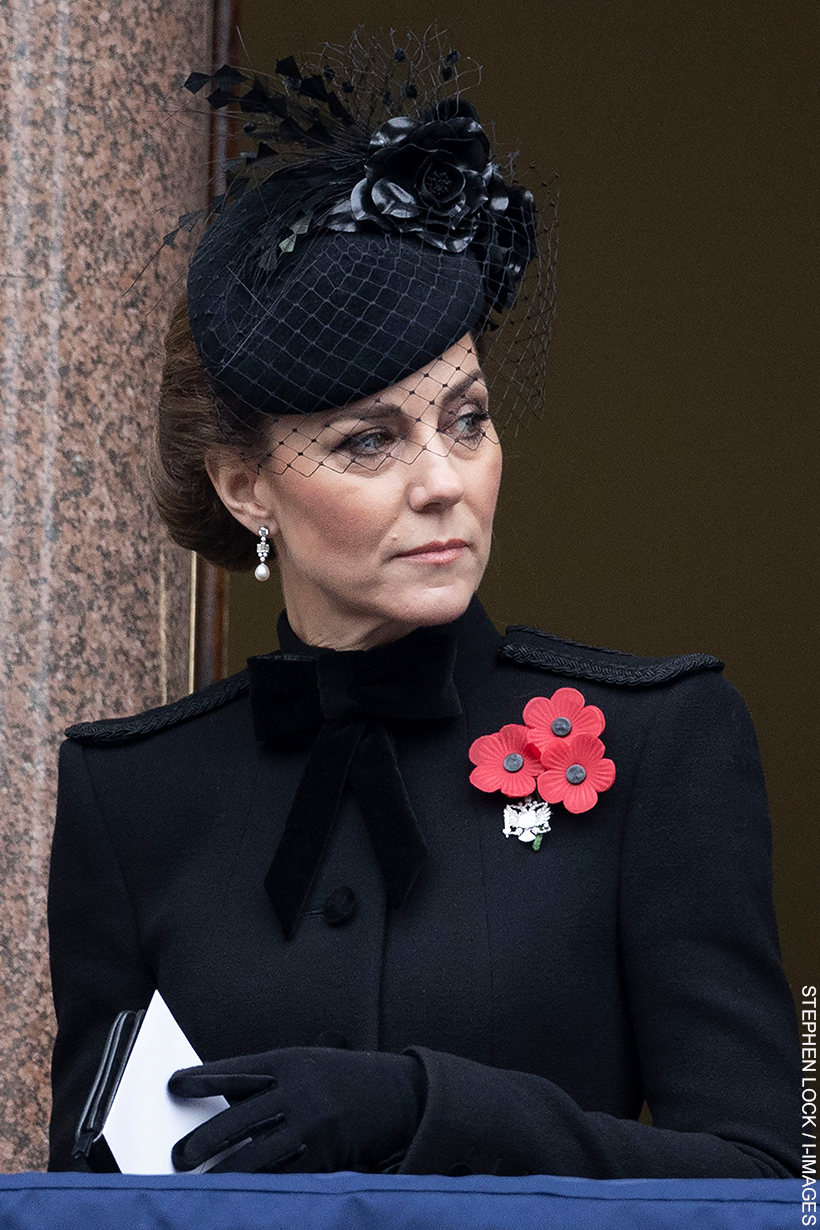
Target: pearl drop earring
(262, 571)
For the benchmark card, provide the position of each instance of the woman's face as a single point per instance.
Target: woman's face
(381, 513)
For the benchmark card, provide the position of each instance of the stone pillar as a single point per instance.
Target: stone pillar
(94, 601)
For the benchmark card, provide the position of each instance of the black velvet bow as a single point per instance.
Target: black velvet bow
(344, 699)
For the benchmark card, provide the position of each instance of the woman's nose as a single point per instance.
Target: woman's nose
(434, 479)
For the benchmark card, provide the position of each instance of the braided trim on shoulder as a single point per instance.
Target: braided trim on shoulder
(125, 730)
(561, 640)
(662, 671)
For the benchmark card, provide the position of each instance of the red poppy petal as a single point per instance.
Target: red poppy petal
(540, 740)
(553, 785)
(496, 746)
(479, 748)
(517, 785)
(558, 755)
(568, 703)
(580, 798)
(539, 712)
(532, 761)
(513, 738)
(589, 722)
(585, 749)
(488, 778)
(602, 775)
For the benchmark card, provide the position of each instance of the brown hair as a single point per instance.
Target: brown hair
(189, 425)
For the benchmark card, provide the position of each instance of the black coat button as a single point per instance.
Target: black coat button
(340, 906)
(331, 1037)
(459, 1171)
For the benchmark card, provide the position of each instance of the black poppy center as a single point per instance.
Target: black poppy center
(513, 761)
(576, 774)
(561, 727)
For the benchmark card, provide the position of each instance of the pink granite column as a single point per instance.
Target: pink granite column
(94, 602)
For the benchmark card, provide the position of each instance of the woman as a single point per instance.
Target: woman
(312, 860)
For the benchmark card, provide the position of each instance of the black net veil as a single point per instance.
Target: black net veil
(375, 280)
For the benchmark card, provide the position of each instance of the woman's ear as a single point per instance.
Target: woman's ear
(237, 483)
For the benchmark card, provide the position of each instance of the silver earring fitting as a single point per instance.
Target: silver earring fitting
(262, 571)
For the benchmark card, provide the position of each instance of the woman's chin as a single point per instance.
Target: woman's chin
(437, 606)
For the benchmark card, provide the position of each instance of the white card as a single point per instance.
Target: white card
(145, 1120)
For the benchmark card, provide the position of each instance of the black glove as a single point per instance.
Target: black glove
(304, 1109)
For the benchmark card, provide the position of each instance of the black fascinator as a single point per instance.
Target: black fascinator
(366, 228)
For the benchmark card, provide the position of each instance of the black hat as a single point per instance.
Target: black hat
(340, 318)
(348, 253)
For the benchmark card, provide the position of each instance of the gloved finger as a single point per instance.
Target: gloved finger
(200, 1083)
(301, 1161)
(263, 1156)
(224, 1131)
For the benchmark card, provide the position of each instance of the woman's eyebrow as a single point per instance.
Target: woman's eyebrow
(461, 386)
(381, 409)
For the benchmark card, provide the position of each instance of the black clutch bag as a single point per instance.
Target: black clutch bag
(90, 1146)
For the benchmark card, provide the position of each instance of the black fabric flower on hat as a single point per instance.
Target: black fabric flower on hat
(431, 178)
(506, 243)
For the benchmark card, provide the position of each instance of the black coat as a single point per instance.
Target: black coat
(634, 956)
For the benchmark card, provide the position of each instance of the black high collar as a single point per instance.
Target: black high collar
(341, 700)
(477, 645)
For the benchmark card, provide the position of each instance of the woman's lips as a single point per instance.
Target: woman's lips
(435, 552)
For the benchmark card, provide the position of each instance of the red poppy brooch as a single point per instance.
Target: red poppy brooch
(557, 753)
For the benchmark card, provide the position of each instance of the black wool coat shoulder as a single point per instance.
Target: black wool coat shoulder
(548, 993)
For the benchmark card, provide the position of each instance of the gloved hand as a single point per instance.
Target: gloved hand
(304, 1109)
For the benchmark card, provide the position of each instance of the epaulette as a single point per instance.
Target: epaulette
(112, 731)
(543, 651)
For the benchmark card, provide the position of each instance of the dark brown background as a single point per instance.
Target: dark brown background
(667, 500)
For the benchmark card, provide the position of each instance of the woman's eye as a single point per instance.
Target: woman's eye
(471, 424)
(367, 443)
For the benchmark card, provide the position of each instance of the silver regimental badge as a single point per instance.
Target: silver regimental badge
(527, 820)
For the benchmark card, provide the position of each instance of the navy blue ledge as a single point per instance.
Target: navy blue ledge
(396, 1202)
